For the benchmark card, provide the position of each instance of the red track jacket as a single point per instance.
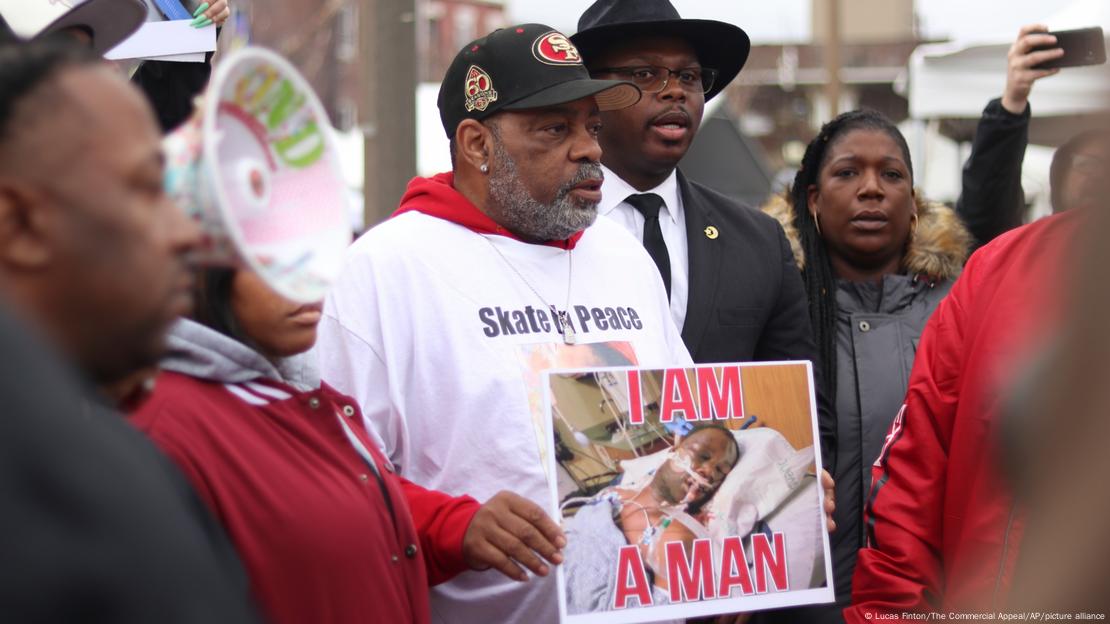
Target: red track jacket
(942, 529)
(316, 532)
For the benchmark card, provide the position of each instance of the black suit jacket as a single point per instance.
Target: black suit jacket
(746, 300)
(97, 525)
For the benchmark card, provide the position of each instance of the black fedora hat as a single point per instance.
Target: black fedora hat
(719, 45)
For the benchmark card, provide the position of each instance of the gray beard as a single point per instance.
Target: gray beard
(522, 215)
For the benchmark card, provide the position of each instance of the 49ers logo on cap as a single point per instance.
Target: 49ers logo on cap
(479, 89)
(554, 48)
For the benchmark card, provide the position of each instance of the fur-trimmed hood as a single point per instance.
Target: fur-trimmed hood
(938, 250)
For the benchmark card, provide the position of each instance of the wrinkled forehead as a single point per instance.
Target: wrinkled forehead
(852, 138)
(710, 438)
(126, 119)
(1094, 147)
(651, 50)
(580, 109)
(48, 125)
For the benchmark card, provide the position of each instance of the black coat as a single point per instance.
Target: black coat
(991, 200)
(877, 330)
(746, 300)
(98, 526)
(171, 88)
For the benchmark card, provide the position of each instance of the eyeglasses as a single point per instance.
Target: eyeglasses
(653, 78)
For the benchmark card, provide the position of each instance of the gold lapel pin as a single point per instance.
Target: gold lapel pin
(711, 233)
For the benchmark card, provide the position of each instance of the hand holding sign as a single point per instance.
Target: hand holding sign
(829, 487)
(207, 14)
(510, 529)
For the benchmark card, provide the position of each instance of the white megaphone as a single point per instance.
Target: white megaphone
(257, 168)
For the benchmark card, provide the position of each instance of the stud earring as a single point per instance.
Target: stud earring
(484, 168)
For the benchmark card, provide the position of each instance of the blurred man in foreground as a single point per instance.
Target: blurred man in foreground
(944, 529)
(97, 526)
(1057, 438)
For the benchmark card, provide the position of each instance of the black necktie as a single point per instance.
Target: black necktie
(649, 204)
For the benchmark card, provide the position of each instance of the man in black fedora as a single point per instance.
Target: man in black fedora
(735, 292)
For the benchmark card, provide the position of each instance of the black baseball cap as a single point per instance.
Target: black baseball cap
(521, 67)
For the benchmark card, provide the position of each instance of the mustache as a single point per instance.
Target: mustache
(677, 110)
(588, 171)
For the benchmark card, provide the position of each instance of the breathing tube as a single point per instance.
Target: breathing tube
(650, 538)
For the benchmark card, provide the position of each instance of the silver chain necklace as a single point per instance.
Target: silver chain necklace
(562, 318)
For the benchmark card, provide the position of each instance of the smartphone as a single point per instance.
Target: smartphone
(1082, 46)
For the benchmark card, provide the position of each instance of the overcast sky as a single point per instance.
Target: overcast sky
(769, 21)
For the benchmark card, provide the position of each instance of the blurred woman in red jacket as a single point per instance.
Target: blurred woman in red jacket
(325, 529)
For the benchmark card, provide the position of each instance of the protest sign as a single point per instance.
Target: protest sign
(686, 491)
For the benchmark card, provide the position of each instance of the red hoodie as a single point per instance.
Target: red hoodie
(943, 530)
(436, 196)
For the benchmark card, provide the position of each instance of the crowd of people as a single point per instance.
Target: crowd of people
(374, 457)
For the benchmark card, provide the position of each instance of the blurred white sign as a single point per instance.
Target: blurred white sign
(167, 41)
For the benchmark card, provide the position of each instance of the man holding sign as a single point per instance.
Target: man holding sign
(446, 314)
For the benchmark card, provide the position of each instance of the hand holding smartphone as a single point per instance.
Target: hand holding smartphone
(1082, 46)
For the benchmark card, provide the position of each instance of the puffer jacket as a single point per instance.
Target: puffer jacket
(878, 327)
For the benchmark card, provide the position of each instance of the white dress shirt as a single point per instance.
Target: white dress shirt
(672, 221)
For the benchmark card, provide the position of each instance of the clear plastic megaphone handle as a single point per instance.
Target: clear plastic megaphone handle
(183, 149)
(187, 184)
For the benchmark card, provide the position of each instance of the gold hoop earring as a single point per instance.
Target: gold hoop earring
(817, 224)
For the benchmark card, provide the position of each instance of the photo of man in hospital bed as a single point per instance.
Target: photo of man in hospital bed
(658, 482)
